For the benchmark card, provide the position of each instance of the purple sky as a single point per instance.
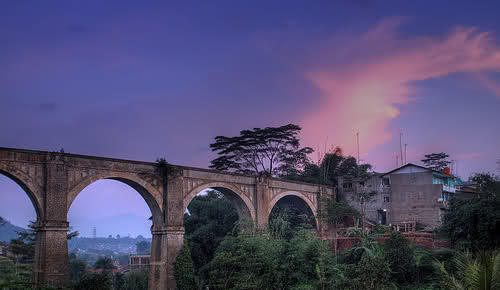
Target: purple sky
(140, 81)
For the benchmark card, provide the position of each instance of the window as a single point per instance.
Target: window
(386, 199)
(386, 181)
(382, 216)
(444, 196)
(347, 185)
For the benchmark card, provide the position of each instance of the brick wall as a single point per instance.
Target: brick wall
(426, 240)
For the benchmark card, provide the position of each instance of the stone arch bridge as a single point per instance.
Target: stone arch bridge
(53, 181)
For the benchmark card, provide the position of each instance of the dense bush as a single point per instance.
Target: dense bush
(183, 270)
(473, 224)
(135, 280)
(401, 258)
(95, 281)
(371, 272)
(259, 260)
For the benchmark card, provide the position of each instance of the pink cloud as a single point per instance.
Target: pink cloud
(490, 84)
(367, 93)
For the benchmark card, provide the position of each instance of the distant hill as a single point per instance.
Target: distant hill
(105, 246)
(9, 231)
(122, 225)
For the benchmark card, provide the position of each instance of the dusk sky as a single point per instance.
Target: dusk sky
(148, 79)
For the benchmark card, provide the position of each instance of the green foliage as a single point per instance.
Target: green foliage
(334, 212)
(211, 218)
(400, 257)
(487, 184)
(479, 272)
(287, 220)
(332, 166)
(77, 268)
(436, 161)
(311, 262)
(24, 246)
(14, 276)
(369, 273)
(95, 281)
(184, 271)
(135, 280)
(475, 223)
(104, 263)
(143, 248)
(270, 151)
(258, 259)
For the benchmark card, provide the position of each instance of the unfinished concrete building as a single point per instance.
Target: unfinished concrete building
(410, 194)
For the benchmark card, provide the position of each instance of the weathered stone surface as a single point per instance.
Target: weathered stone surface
(53, 181)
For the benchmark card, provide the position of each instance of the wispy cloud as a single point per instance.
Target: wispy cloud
(366, 94)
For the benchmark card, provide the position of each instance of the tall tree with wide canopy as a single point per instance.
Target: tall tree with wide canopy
(436, 161)
(272, 151)
(332, 165)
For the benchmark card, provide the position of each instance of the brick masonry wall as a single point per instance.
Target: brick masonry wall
(426, 240)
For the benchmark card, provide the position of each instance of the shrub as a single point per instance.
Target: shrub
(400, 257)
(184, 271)
(95, 281)
(372, 272)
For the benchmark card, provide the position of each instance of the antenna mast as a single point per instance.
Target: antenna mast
(357, 137)
(406, 160)
(401, 145)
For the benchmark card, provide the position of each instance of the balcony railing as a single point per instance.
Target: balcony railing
(449, 188)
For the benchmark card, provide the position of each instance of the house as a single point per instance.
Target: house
(138, 262)
(405, 197)
(374, 203)
(419, 194)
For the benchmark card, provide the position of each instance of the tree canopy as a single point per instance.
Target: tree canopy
(104, 263)
(211, 217)
(333, 165)
(475, 223)
(272, 150)
(436, 161)
(143, 248)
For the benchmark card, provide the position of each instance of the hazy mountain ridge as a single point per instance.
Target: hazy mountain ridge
(9, 231)
(123, 225)
(117, 245)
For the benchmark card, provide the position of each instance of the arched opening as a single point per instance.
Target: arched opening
(211, 213)
(19, 210)
(238, 199)
(295, 211)
(114, 217)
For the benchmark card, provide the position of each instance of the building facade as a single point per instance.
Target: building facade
(139, 262)
(410, 194)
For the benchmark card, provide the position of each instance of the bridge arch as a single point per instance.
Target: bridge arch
(240, 201)
(30, 188)
(151, 195)
(311, 206)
